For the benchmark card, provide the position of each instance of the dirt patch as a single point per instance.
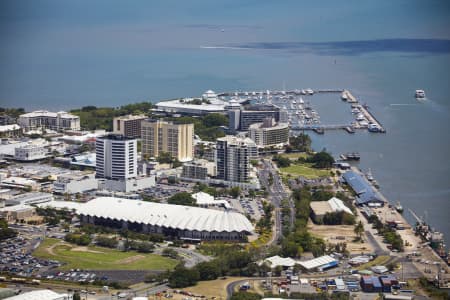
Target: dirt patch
(50, 249)
(340, 233)
(130, 259)
(85, 249)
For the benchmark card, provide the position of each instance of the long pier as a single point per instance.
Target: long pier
(364, 110)
(279, 92)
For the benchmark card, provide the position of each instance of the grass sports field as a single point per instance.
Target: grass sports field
(305, 170)
(98, 258)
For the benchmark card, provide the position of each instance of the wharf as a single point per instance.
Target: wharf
(350, 98)
(321, 128)
(429, 262)
(277, 92)
(364, 110)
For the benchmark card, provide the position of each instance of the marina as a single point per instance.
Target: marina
(299, 105)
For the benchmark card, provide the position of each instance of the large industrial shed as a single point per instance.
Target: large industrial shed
(184, 222)
(365, 193)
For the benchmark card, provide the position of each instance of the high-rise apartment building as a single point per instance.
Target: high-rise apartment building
(128, 126)
(160, 136)
(116, 157)
(233, 155)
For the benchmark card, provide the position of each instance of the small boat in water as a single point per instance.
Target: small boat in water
(420, 94)
(399, 207)
(369, 175)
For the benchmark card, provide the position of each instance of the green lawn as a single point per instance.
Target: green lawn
(98, 258)
(305, 170)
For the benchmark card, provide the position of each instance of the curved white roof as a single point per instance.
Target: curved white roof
(39, 295)
(166, 215)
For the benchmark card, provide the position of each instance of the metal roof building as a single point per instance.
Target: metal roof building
(185, 222)
(365, 193)
(320, 263)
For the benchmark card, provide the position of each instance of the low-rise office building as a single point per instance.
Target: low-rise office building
(20, 183)
(17, 213)
(199, 169)
(30, 198)
(30, 152)
(7, 131)
(73, 183)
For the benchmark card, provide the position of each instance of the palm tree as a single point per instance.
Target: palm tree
(359, 229)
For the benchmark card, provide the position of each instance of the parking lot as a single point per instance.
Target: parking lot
(248, 206)
(16, 258)
(165, 191)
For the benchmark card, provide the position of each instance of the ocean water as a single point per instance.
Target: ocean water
(63, 55)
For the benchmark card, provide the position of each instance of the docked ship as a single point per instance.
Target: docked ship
(350, 156)
(398, 207)
(435, 239)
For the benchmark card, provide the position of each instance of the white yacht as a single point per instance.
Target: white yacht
(420, 94)
(301, 101)
(360, 117)
(309, 91)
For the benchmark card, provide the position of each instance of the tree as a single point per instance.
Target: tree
(235, 191)
(215, 119)
(182, 198)
(208, 270)
(245, 296)
(359, 229)
(183, 277)
(76, 296)
(145, 247)
(170, 253)
(282, 162)
(5, 231)
(165, 158)
(301, 142)
(322, 160)
(106, 242)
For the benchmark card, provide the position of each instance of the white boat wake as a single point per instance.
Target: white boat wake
(224, 47)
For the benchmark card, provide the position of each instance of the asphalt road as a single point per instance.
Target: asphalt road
(277, 194)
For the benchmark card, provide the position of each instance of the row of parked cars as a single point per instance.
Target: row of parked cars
(75, 275)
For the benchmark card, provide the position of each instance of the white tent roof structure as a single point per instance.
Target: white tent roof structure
(202, 198)
(40, 295)
(164, 215)
(276, 261)
(338, 205)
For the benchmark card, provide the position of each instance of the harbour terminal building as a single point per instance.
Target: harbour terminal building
(184, 222)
